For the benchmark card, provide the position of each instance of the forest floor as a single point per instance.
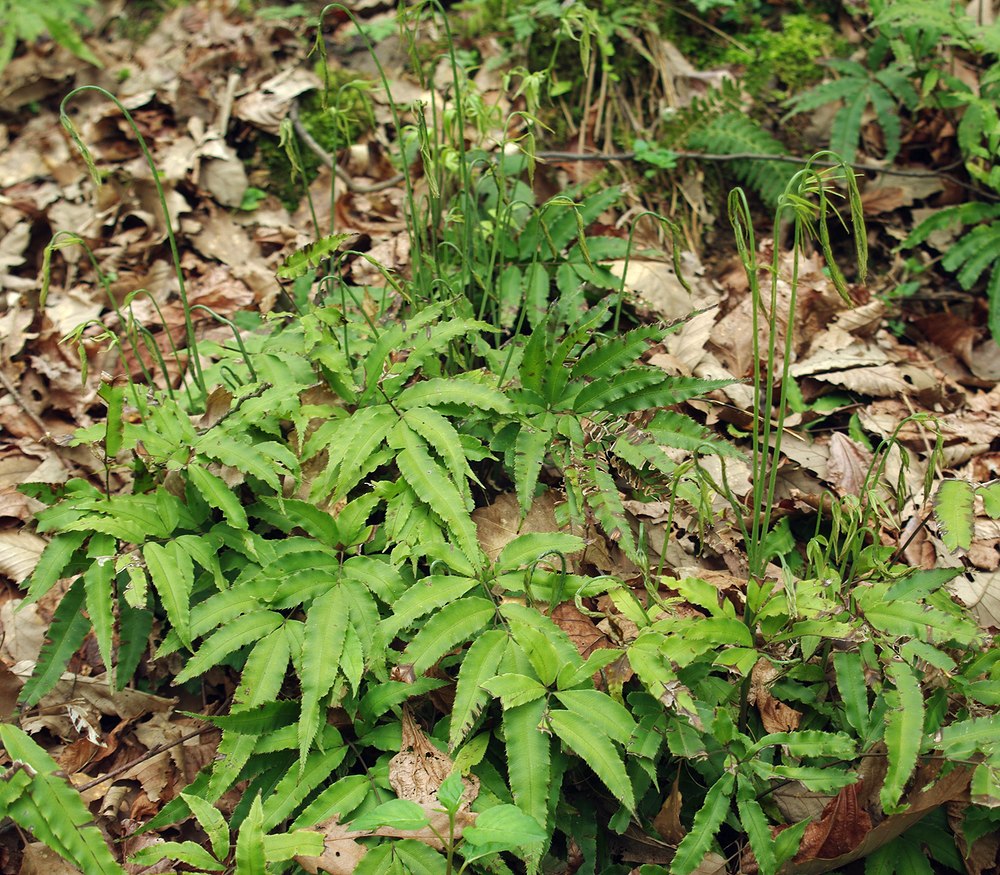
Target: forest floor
(209, 91)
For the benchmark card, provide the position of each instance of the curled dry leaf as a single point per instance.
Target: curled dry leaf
(980, 592)
(842, 827)
(930, 792)
(90, 696)
(775, 715)
(23, 631)
(19, 553)
(848, 464)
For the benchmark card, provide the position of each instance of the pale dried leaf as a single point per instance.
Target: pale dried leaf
(341, 852)
(23, 631)
(980, 591)
(39, 859)
(848, 465)
(91, 696)
(19, 553)
(500, 522)
(418, 770)
(225, 178)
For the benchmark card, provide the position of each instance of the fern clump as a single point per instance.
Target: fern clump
(856, 88)
(308, 513)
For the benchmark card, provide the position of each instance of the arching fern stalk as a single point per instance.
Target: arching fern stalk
(806, 203)
(67, 123)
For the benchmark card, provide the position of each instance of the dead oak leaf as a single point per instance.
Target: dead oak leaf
(418, 770)
(499, 523)
(668, 820)
(840, 829)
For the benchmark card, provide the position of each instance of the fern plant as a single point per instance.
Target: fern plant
(573, 401)
(974, 253)
(281, 571)
(906, 69)
(856, 88)
(735, 133)
(313, 534)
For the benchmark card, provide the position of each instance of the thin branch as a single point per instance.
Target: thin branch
(757, 156)
(20, 402)
(329, 161)
(148, 755)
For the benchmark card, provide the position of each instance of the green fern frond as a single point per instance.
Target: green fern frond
(952, 217)
(934, 16)
(240, 452)
(447, 444)
(530, 447)
(436, 489)
(264, 672)
(953, 510)
(831, 91)
(454, 624)
(735, 133)
(55, 558)
(481, 663)
(322, 646)
(529, 759)
(46, 806)
(428, 594)
(65, 635)
(310, 257)
(974, 253)
(601, 495)
(607, 358)
(904, 733)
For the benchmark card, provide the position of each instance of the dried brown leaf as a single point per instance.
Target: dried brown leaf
(418, 770)
(19, 553)
(668, 820)
(774, 714)
(500, 522)
(39, 859)
(980, 592)
(848, 464)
